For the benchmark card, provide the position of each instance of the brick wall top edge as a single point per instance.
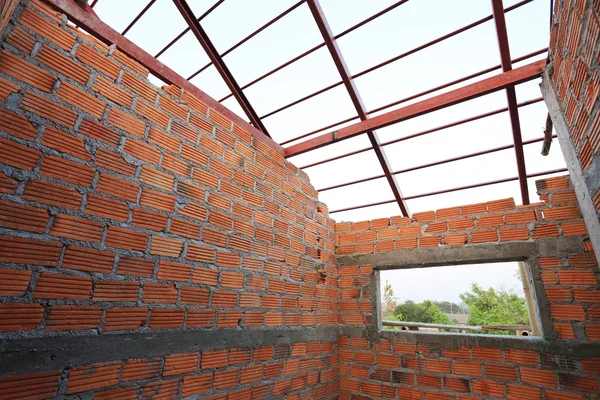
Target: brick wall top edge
(82, 18)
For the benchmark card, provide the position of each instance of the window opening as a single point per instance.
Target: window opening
(491, 298)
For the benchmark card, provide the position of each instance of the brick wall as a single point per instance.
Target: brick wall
(575, 55)
(7, 7)
(128, 208)
(306, 367)
(416, 366)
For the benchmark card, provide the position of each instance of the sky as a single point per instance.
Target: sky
(409, 25)
(446, 283)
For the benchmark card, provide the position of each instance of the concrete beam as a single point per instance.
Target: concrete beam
(54, 353)
(583, 185)
(455, 255)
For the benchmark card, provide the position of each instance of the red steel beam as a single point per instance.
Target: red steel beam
(317, 47)
(511, 96)
(217, 61)
(94, 25)
(137, 18)
(433, 164)
(393, 59)
(338, 59)
(476, 185)
(425, 132)
(456, 96)
(250, 36)
(415, 96)
(186, 30)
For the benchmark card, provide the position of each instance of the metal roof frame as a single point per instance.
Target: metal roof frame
(507, 80)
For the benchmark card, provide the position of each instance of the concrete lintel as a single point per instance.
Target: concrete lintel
(469, 254)
(54, 353)
(584, 196)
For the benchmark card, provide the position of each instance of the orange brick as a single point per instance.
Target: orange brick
(20, 317)
(29, 251)
(38, 385)
(520, 217)
(77, 228)
(126, 122)
(20, 217)
(542, 231)
(93, 377)
(67, 170)
(16, 125)
(24, 71)
(101, 206)
(63, 64)
(135, 266)
(67, 318)
(576, 228)
(112, 92)
(151, 113)
(21, 40)
(124, 238)
(511, 234)
(65, 287)
(117, 187)
(166, 246)
(47, 29)
(111, 290)
(137, 85)
(13, 282)
(48, 109)
(100, 62)
(99, 132)
(18, 155)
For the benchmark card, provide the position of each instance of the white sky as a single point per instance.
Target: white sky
(408, 26)
(448, 282)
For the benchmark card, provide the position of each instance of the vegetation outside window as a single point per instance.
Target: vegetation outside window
(476, 298)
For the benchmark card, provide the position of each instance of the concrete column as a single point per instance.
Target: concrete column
(582, 186)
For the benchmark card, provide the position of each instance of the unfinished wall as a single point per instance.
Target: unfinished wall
(571, 89)
(149, 245)
(551, 236)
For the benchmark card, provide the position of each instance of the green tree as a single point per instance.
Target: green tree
(495, 307)
(389, 302)
(427, 312)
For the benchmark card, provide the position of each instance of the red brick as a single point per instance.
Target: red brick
(126, 122)
(20, 217)
(100, 62)
(17, 155)
(48, 109)
(112, 92)
(77, 228)
(125, 318)
(63, 64)
(34, 386)
(20, 317)
(65, 287)
(511, 234)
(21, 40)
(124, 238)
(81, 99)
(89, 260)
(68, 318)
(166, 246)
(112, 290)
(16, 125)
(24, 71)
(93, 377)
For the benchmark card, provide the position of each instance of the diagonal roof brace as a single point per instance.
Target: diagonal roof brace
(219, 64)
(511, 96)
(319, 16)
